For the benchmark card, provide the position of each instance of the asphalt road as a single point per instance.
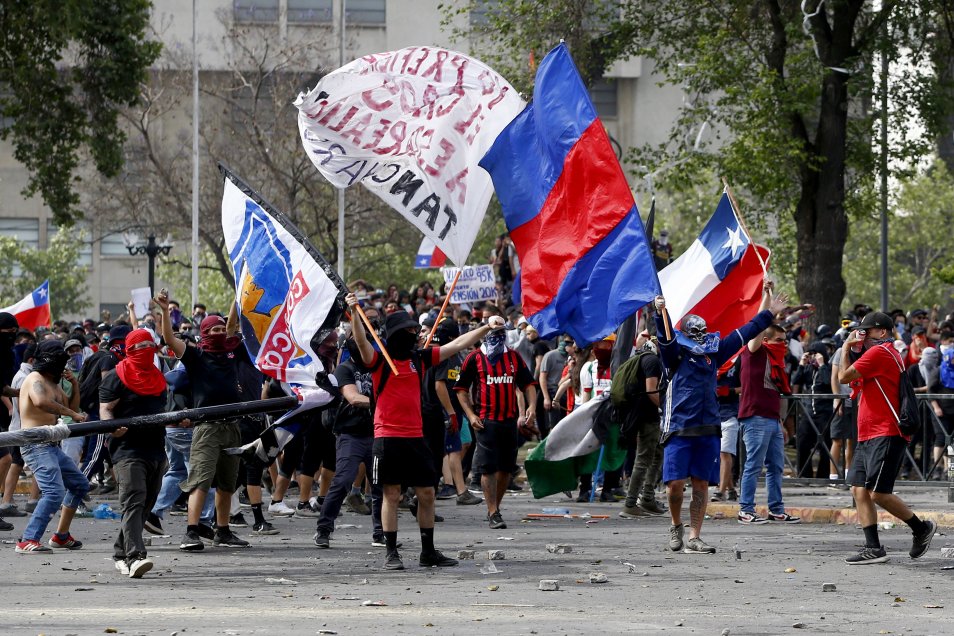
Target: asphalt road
(774, 588)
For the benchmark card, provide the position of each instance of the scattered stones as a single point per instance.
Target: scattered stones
(679, 623)
(790, 570)
(493, 588)
(465, 555)
(798, 625)
(370, 603)
(947, 553)
(495, 555)
(280, 581)
(549, 585)
(829, 587)
(725, 632)
(598, 577)
(559, 548)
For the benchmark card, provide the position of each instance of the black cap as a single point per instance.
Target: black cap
(119, 332)
(919, 312)
(399, 320)
(823, 331)
(877, 320)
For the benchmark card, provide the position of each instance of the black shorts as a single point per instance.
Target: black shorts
(845, 426)
(496, 450)
(943, 428)
(403, 461)
(876, 463)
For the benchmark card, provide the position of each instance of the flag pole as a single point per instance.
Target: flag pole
(440, 314)
(374, 334)
(666, 325)
(738, 215)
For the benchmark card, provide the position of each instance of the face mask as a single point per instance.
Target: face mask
(664, 240)
(695, 328)
(7, 338)
(493, 346)
(51, 363)
(401, 343)
(562, 348)
(378, 306)
(119, 349)
(76, 362)
(945, 348)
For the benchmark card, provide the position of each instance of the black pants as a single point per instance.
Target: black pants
(139, 483)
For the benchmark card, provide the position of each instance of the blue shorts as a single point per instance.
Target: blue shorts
(452, 442)
(465, 435)
(685, 457)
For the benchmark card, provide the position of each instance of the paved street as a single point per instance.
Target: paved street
(775, 585)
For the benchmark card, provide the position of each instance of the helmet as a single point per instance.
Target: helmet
(695, 327)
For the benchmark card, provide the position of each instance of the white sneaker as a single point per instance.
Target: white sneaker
(280, 509)
(139, 567)
(122, 567)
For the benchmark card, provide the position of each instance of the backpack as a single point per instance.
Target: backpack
(907, 415)
(626, 376)
(947, 369)
(89, 380)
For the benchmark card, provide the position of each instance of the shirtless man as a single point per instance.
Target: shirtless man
(41, 402)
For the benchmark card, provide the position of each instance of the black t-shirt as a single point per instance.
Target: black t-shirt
(447, 372)
(350, 419)
(98, 364)
(140, 442)
(213, 377)
(649, 367)
(540, 349)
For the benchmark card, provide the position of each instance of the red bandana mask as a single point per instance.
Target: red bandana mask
(219, 342)
(776, 354)
(138, 370)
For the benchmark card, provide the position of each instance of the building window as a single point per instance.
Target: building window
(603, 93)
(309, 11)
(79, 232)
(112, 245)
(367, 12)
(27, 231)
(255, 10)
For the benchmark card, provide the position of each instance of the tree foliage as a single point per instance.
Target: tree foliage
(67, 67)
(24, 268)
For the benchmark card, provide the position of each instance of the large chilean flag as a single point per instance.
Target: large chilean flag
(34, 310)
(585, 264)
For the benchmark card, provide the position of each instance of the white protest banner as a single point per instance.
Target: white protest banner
(411, 126)
(476, 283)
(140, 298)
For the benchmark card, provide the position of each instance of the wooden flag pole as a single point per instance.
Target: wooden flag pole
(440, 314)
(738, 215)
(374, 334)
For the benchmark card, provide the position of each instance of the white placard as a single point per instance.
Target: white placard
(141, 297)
(476, 284)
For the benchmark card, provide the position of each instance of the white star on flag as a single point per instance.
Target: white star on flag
(734, 241)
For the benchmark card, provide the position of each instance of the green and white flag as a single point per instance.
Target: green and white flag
(573, 448)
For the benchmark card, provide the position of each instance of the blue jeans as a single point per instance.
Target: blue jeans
(178, 446)
(763, 447)
(60, 482)
(351, 451)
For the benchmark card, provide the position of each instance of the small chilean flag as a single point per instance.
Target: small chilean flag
(34, 310)
(719, 277)
(584, 258)
(429, 255)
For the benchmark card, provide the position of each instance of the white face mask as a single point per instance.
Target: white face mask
(945, 348)
(664, 240)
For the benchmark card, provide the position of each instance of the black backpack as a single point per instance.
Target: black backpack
(907, 416)
(89, 380)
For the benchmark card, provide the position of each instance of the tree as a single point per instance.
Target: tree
(23, 268)
(58, 110)
(789, 86)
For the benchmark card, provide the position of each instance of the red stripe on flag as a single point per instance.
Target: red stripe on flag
(587, 202)
(438, 258)
(35, 317)
(735, 300)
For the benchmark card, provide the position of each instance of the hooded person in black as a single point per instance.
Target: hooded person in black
(8, 364)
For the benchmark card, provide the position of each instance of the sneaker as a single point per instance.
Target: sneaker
(867, 556)
(922, 541)
(263, 528)
(468, 498)
(496, 521)
(243, 499)
(191, 542)
(512, 487)
(698, 546)
(238, 521)
(5, 525)
(69, 543)
(435, 559)
(634, 512)
(393, 561)
(206, 533)
(732, 495)
(475, 488)
(784, 518)
(322, 540)
(355, 503)
(446, 492)
(751, 519)
(122, 566)
(224, 538)
(178, 510)
(11, 510)
(717, 497)
(675, 537)
(306, 511)
(378, 541)
(652, 507)
(26, 547)
(583, 497)
(153, 524)
(139, 567)
(280, 509)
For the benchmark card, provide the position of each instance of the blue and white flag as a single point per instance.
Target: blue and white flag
(289, 299)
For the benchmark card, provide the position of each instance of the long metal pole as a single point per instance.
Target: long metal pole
(341, 193)
(884, 178)
(195, 155)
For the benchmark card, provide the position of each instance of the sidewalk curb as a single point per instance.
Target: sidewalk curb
(842, 516)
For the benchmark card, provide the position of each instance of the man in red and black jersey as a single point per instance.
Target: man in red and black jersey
(399, 453)
(487, 388)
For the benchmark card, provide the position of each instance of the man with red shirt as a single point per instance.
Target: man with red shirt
(880, 443)
(400, 454)
(489, 379)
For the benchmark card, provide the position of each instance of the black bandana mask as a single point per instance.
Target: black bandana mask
(51, 358)
(401, 343)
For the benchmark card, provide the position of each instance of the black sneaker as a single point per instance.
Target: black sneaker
(224, 538)
(206, 533)
(153, 524)
(867, 556)
(243, 499)
(435, 560)
(393, 561)
(322, 540)
(264, 528)
(238, 521)
(584, 497)
(922, 541)
(191, 542)
(513, 486)
(497, 522)
(5, 525)
(378, 541)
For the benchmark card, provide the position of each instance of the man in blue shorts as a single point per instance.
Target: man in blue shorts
(691, 425)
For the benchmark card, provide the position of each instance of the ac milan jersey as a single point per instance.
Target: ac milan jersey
(493, 387)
